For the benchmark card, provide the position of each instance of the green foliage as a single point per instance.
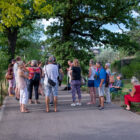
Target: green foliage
(80, 24)
(15, 12)
(3, 63)
(131, 70)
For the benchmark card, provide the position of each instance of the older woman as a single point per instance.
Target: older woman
(134, 95)
(21, 78)
(76, 82)
(34, 79)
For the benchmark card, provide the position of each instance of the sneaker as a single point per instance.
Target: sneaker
(98, 106)
(73, 104)
(78, 104)
(101, 108)
(17, 99)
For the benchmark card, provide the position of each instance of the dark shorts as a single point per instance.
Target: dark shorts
(90, 83)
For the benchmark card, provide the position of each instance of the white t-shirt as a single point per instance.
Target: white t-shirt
(15, 69)
(108, 71)
(93, 71)
(50, 71)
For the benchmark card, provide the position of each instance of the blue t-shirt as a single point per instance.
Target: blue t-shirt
(101, 74)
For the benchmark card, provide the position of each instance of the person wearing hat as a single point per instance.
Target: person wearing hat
(107, 88)
(51, 74)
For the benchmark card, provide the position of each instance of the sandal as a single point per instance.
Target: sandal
(127, 109)
(90, 103)
(31, 102)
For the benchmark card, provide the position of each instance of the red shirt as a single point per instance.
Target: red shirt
(32, 71)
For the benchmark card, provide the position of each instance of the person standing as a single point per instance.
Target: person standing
(69, 77)
(10, 80)
(15, 68)
(22, 86)
(107, 88)
(100, 84)
(34, 79)
(76, 82)
(51, 73)
(91, 75)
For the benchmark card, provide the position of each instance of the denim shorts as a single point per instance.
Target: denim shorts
(90, 83)
(51, 90)
(101, 90)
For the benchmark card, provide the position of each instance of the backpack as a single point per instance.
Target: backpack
(8, 76)
(36, 77)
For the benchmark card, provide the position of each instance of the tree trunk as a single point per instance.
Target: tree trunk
(12, 38)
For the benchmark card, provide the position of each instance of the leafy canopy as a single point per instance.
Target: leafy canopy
(13, 13)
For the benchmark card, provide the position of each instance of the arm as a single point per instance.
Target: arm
(89, 72)
(23, 75)
(132, 93)
(101, 83)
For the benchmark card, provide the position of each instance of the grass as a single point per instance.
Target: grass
(119, 98)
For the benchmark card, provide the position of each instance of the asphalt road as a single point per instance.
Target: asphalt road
(69, 123)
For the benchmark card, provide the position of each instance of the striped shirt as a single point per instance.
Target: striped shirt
(32, 70)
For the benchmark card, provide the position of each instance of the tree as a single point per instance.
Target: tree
(16, 14)
(80, 24)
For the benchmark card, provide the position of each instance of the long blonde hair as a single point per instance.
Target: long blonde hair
(76, 63)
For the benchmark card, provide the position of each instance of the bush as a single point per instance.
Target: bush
(131, 70)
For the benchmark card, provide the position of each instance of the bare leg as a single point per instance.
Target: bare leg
(10, 90)
(17, 92)
(55, 104)
(47, 100)
(102, 101)
(94, 96)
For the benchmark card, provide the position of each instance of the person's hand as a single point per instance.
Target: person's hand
(100, 85)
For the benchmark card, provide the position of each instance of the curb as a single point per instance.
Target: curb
(3, 108)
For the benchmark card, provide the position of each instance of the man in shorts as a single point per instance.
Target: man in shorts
(100, 84)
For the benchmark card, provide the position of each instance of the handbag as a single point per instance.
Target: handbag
(8, 76)
(50, 81)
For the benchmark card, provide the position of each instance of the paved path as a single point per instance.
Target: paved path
(70, 123)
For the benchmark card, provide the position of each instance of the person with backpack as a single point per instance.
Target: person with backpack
(107, 88)
(100, 77)
(34, 79)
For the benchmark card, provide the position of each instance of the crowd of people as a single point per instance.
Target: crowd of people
(32, 77)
